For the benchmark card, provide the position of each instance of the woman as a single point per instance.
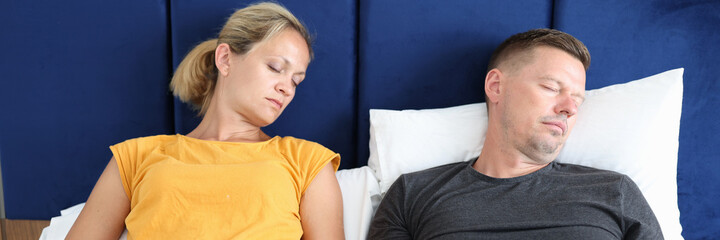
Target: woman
(225, 179)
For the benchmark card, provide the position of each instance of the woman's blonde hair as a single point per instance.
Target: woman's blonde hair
(195, 77)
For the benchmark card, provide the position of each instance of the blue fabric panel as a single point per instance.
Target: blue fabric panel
(432, 54)
(634, 39)
(323, 108)
(77, 76)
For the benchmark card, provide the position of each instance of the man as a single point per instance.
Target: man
(513, 190)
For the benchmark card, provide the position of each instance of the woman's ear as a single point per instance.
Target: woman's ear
(492, 85)
(222, 59)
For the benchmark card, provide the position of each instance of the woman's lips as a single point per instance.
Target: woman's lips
(277, 103)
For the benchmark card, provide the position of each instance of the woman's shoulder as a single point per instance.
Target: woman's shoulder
(290, 144)
(151, 140)
(307, 153)
(299, 143)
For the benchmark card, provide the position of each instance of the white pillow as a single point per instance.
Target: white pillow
(631, 128)
(412, 140)
(361, 195)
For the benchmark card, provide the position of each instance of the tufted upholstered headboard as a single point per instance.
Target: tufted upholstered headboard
(79, 76)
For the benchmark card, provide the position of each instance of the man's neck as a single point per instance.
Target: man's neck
(505, 169)
(499, 161)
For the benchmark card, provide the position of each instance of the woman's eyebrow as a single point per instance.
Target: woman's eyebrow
(288, 62)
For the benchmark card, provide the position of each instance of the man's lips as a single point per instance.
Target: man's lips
(558, 124)
(277, 103)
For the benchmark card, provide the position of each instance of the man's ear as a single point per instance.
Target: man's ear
(222, 58)
(492, 85)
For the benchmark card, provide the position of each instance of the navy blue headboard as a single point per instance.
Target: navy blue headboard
(76, 77)
(79, 76)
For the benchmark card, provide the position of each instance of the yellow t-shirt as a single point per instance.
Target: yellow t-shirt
(186, 188)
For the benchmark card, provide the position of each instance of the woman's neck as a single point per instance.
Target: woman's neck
(219, 126)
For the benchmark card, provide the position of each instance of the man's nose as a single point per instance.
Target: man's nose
(566, 105)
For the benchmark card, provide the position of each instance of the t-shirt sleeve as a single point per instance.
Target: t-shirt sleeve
(389, 220)
(126, 157)
(638, 218)
(309, 158)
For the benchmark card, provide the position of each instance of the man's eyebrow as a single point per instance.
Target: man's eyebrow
(546, 77)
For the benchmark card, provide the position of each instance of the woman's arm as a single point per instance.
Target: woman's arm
(105, 211)
(321, 207)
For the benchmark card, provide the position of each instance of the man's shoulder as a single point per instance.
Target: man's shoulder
(438, 170)
(588, 172)
(433, 175)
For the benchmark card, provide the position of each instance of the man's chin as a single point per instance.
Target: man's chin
(548, 151)
(542, 157)
(548, 147)
(545, 159)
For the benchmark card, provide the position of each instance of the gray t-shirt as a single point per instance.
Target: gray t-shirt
(560, 201)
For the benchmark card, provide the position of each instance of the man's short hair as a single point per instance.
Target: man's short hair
(518, 47)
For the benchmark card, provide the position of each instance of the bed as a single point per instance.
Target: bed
(82, 75)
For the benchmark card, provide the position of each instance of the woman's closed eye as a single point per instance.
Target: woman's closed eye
(296, 80)
(274, 68)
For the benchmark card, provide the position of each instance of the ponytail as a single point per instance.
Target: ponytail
(194, 79)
